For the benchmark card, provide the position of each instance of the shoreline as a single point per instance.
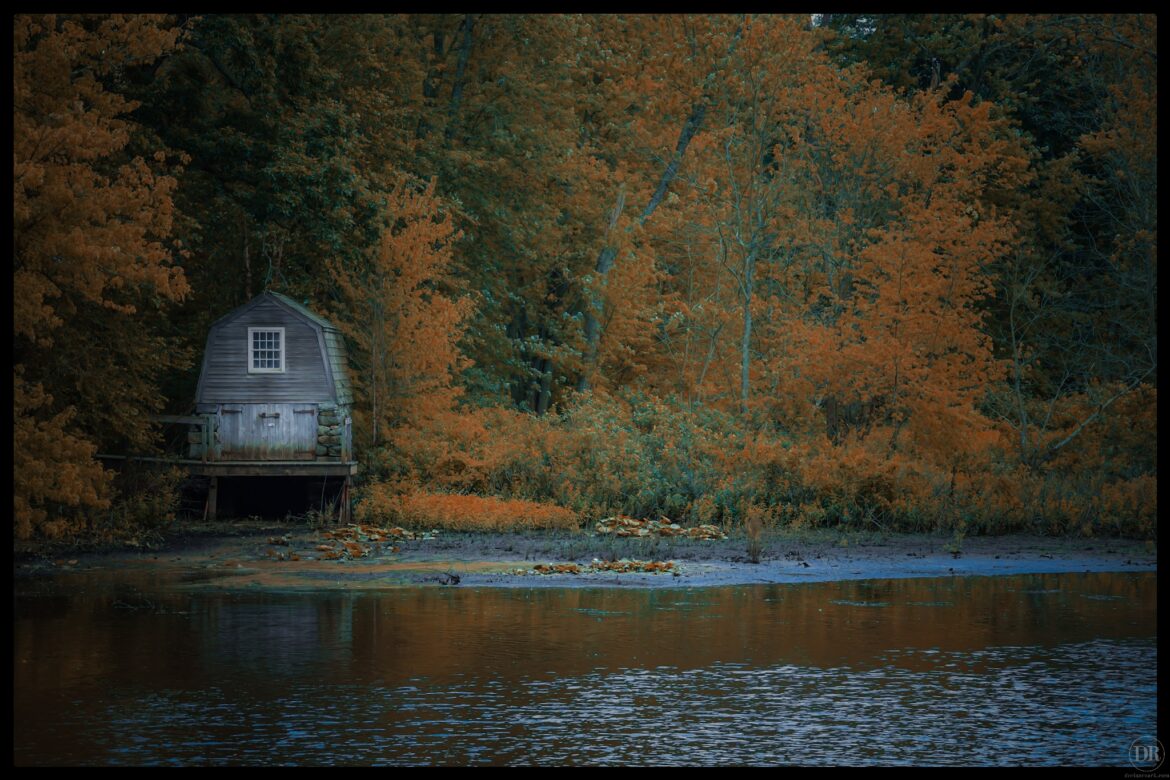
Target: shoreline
(281, 557)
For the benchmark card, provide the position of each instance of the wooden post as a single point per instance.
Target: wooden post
(343, 515)
(212, 490)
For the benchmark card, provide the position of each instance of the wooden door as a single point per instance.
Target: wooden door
(269, 431)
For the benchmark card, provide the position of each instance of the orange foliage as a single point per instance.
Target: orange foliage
(92, 268)
(461, 512)
(404, 317)
(52, 468)
(793, 293)
(88, 223)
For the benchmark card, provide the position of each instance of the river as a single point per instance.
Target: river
(126, 668)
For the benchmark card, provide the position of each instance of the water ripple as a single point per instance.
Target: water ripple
(1073, 704)
(944, 673)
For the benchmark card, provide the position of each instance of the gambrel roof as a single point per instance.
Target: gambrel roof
(317, 369)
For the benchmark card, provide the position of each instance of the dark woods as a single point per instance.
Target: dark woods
(896, 271)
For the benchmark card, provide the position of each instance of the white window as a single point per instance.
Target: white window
(265, 350)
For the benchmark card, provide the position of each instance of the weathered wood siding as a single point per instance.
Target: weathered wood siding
(225, 377)
(335, 350)
(268, 431)
(300, 413)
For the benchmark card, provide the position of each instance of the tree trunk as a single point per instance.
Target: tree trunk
(247, 260)
(545, 396)
(745, 344)
(607, 255)
(460, 70)
(698, 394)
(690, 127)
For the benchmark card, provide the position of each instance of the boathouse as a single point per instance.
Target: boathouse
(273, 398)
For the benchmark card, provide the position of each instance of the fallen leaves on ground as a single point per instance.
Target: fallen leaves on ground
(557, 568)
(370, 533)
(623, 566)
(621, 525)
(356, 541)
(598, 566)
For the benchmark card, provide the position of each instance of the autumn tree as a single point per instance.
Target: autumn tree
(493, 117)
(93, 265)
(754, 149)
(659, 77)
(275, 181)
(1074, 302)
(402, 312)
(917, 315)
(1081, 292)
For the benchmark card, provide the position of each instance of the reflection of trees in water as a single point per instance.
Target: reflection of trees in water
(524, 633)
(285, 636)
(255, 678)
(196, 639)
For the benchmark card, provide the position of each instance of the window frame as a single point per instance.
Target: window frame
(282, 351)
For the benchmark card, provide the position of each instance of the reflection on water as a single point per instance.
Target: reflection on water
(1045, 669)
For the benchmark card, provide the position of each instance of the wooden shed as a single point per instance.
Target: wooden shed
(273, 397)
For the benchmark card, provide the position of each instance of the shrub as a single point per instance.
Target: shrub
(460, 512)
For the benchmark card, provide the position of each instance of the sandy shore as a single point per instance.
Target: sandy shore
(285, 557)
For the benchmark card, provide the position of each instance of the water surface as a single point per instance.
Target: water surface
(126, 669)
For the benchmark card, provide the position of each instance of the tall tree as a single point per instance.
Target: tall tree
(93, 263)
(274, 184)
(666, 72)
(403, 315)
(1074, 310)
(1080, 291)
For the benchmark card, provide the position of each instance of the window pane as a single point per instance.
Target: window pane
(266, 350)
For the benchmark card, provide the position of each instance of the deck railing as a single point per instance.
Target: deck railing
(200, 442)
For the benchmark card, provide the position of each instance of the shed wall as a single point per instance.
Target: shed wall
(225, 372)
(335, 347)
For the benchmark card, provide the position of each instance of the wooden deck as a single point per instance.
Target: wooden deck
(270, 468)
(253, 468)
(205, 458)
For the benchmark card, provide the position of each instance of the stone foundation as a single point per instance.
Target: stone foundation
(330, 430)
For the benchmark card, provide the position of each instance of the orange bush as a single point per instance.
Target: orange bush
(461, 512)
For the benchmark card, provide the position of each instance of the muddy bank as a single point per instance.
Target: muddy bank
(283, 557)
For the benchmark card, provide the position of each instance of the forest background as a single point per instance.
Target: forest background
(895, 272)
